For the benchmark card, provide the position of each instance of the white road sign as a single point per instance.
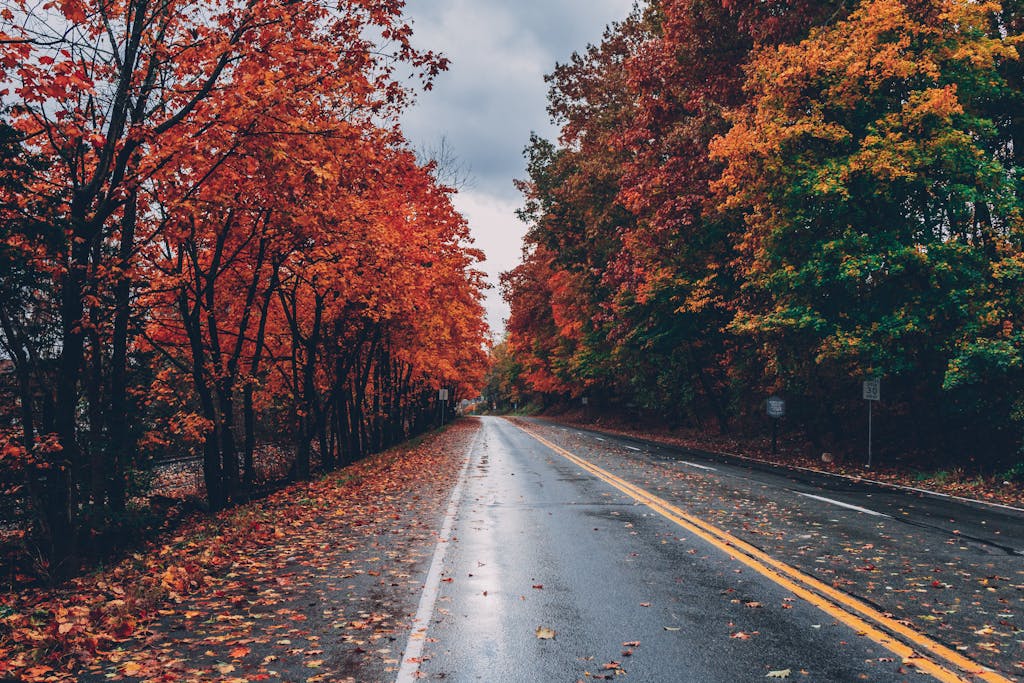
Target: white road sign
(872, 390)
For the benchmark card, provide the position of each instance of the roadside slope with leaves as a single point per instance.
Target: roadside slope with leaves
(316, 582)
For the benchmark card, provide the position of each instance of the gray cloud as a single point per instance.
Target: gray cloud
(491, 98)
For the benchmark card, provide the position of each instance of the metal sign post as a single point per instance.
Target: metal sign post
(872, 392)
(776, 408)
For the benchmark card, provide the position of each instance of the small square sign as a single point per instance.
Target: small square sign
(872, 390)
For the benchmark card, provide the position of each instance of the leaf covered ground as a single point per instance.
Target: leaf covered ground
(316, 582)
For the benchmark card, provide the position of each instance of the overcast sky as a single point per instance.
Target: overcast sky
(492, 97)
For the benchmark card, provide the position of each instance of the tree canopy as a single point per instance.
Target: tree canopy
(215, 233)
(751, 198)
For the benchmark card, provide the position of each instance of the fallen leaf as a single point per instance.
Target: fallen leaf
(545, 633)
(781, 673)
(131, 669)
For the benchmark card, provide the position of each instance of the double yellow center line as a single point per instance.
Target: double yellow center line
(913, 647)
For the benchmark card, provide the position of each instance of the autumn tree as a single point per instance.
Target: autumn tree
(187, 152)
(619, 204)
(882, 211)
(803, 194)
(575, 224)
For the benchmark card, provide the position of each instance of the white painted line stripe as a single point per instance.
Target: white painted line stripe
(842, 504)
(599, 438)
(407, 673)
(853, 477)
(700, 467)
(877, 482)
(633, 448)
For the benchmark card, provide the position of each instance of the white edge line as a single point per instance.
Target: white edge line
(432, 584)
(851, 477)
(700, 467)
(842, 504)
(633, 448)
(915, 489)
(599, 438)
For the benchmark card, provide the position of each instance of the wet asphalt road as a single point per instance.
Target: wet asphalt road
(538, 542)
(988, 529)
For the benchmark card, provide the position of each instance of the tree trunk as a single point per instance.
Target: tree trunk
(249, 447)
(120, 440)
(66, 464)
(213, 474)
(228, 447)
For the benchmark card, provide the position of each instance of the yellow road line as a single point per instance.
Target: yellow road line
(861, 617)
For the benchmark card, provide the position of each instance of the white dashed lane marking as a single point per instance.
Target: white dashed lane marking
(842, 504)
(699, 467)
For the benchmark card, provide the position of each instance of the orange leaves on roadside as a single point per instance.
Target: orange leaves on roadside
(177, 582)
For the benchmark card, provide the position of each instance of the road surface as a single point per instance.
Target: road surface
(652, 564)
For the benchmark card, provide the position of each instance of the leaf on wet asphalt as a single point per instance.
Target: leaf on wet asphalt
(781, 673)
(631, 643)
(740, 635)
(545, 633)
(671, 628)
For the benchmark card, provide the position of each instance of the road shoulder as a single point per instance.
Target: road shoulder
(317, 582)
